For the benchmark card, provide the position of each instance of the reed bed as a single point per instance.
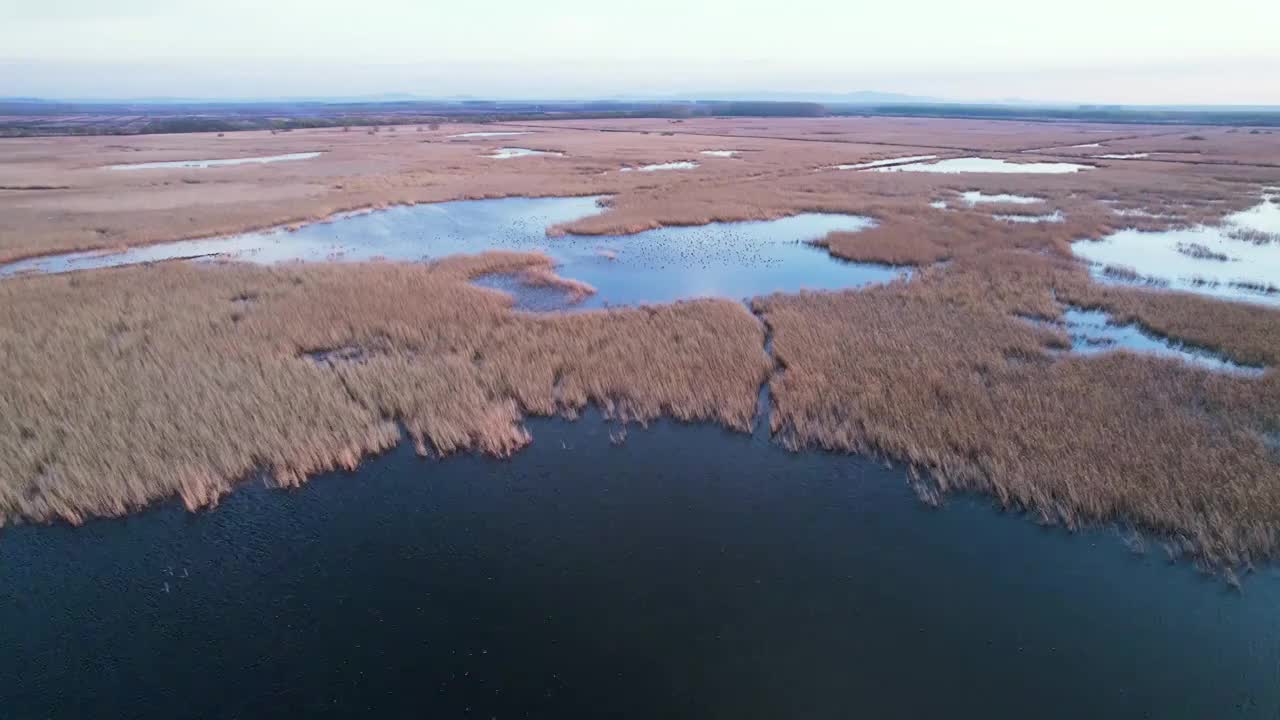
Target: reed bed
(942, 374)
(125, 387)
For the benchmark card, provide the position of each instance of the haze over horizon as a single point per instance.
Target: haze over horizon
(1136, 53)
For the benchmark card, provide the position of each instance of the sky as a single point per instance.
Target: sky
(1095, 51)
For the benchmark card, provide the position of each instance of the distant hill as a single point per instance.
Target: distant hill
(860, 97)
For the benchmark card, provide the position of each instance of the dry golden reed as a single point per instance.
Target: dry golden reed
(132, 385)
(129, 386)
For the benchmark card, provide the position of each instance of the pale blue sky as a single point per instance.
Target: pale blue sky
(1135, 51)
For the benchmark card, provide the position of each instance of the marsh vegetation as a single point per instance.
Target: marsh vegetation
(130, 385)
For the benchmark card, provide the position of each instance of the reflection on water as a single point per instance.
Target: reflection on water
(721, 153)
(1095, 331)
(734, 260)
(507, 153)
(1238, 259)
(975, 197)
(679, 165)
(686, 573)
(199, 164)
(1123, 156)
(984, 165)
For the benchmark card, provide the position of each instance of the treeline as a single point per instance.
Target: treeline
(28, 118)
(35, 117)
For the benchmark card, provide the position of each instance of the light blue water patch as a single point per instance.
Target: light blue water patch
(1238, 259)
(404, 233)
(984, 165)
(507, 153)
(1093, 332)
(735, 260)
(974, 197)
(657, 167)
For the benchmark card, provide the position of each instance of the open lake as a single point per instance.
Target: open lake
(686, 573)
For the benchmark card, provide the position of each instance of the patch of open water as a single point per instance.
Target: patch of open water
(984, 165)
(975, 197)
(734, 260)
(1238, 259)
(1095, 331)
(721, 153)
(688, 572)
(507, 153)
(657, 167)
(201, 164)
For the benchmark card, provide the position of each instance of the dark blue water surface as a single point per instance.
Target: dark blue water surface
(686, 573)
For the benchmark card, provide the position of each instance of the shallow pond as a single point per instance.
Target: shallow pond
(507, 153)
(976, 197)
(656, 167)
(1095, 331)
(735, 260)
(984, 165)
(686, 573)
(721, 153)
(1238, 259)
(200, 164)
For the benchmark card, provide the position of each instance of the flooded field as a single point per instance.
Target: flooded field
(657, 167)
(1238, 259)
(721, 153)
(983, 165)
(201, 164)
(684, 573)
(507, 153)
(734, 260)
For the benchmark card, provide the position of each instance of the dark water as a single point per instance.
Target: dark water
(734, 260)
(688, 573)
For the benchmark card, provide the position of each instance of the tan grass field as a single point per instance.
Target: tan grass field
(124, 387)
